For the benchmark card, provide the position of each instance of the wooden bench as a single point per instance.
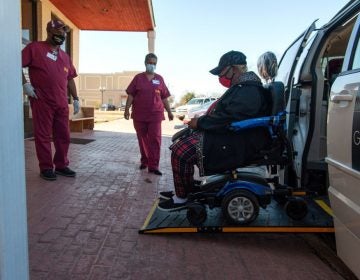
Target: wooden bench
(85, 119)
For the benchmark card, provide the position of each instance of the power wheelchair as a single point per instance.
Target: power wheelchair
(239, 193)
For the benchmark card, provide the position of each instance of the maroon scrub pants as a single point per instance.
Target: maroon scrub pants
(149, 138)
(51, 123)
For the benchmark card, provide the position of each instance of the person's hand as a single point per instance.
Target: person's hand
(170, 116)
(126, 114)
(76, 104)
(29, 90)
(193, 123)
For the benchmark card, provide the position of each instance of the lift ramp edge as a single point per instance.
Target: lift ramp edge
(272, 220)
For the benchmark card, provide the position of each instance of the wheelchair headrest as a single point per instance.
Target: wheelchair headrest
(277, 91)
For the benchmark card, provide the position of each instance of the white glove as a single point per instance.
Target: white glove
(76, 104)
(29, 90)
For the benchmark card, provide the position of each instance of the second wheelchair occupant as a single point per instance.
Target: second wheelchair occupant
(213, 147)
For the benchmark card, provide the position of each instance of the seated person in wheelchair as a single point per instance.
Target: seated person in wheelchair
(212, 146)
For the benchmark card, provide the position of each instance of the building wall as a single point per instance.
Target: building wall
(109, 88)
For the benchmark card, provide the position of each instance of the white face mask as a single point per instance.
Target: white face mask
(150, 68)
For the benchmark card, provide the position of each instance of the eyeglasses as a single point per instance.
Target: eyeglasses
(227, 71)
(152, 61)
(58, 32)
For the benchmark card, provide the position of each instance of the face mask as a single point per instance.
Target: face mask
(58, 39)
(225, 81)
(150, 68)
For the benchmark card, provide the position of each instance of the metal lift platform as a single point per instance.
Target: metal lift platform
(272, 219)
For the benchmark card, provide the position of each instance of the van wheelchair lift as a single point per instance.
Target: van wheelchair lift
(287, 211)
(231, 202)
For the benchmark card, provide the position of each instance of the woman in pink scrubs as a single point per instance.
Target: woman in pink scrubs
(147, 95)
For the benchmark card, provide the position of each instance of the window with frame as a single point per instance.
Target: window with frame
(28, 21)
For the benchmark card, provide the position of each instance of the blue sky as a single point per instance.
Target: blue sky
(191, 36)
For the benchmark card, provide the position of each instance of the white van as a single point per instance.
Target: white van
(321, 74)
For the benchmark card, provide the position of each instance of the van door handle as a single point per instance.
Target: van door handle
(336, 98)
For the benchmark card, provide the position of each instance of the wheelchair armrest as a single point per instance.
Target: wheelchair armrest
(269, 121)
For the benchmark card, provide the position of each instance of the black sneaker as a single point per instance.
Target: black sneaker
(197, 182)
(166, 194)
(170, 205)
(142, 166)
(156, 172)
(48, 174)
(170, 194)
(67, 172)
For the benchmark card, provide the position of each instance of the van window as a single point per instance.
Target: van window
(356, 60)
(287, 61)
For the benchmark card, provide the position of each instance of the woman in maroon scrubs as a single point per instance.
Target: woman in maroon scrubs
(147, 95)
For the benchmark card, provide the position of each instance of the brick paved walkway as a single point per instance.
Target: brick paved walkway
(87, 227)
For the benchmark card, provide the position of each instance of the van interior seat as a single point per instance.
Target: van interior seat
(333, 68)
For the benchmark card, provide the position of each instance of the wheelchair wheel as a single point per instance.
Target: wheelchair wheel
(240, 207)
(196, 214)
(296, 208)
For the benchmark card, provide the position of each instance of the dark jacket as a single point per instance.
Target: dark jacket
(220, 149)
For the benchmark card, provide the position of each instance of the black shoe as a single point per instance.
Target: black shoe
(48, 174)
(170, 194)
(142, 166)
(195, 188)
(67, 172)
(166, 194)
(197, 182)
(170, 205)
(156, 172)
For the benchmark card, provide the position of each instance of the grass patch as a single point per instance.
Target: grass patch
(107, 116)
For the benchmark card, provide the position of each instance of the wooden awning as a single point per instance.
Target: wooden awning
(109, 15)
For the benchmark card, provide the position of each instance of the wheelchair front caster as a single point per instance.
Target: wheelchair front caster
(196, 214)
(296, 208)
(240, 207)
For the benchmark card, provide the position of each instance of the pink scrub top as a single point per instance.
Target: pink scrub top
(49, 74)
(147, 105)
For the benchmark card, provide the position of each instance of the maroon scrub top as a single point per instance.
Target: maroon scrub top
(147, 104)
(49, 75)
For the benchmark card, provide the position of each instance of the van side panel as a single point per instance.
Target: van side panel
(344, 176)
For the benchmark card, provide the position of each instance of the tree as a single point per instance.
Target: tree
(188, 96)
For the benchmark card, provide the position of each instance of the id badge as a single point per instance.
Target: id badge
(51, 56)
(156, 82)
